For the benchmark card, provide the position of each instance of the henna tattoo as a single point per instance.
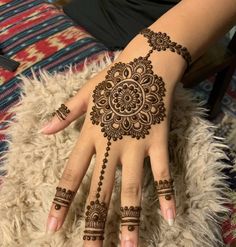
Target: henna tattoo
(161, 41)
(61, 112)
(165, 188)
(96, 212)
(130, 217)
(63, 198)
(95, 221)
(128, 102)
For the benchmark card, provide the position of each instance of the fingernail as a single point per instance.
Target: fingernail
(170, 216)
(52, 225)
(129, 244)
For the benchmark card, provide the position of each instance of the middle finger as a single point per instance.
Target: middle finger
(132, 173)
(100, 193)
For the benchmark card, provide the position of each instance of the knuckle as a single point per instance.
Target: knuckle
(93, 194)
(163, 173)
(131, 189)
(103, 196)
(84, 106)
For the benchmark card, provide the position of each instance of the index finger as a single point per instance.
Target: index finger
(69, 183)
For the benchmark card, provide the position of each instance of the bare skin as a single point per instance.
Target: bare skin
(180, 24)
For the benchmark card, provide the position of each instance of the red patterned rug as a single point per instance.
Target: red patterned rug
(40, 36)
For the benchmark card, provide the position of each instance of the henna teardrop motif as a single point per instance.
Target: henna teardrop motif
(128, 102)
(128, 97)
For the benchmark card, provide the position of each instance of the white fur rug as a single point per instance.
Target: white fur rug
(35, 163)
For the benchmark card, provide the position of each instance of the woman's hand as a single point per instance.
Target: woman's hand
(100, 133)
(127, 110)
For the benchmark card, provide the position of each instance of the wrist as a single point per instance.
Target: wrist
(169, 65)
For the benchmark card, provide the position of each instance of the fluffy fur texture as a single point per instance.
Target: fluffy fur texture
(35, 163)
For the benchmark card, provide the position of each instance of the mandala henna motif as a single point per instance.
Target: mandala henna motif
(161, 42)
(127, 103)
(129, 100)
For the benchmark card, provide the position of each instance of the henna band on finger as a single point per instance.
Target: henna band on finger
(130, 217)
(165, 188)
(61, 112)
(63, 198)
(96, 212)
(127, 103)
(95, 220)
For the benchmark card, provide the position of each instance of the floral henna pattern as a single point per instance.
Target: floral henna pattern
(95, 221)
(161, 42)
(127, 103)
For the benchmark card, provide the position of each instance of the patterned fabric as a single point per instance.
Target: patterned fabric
(226, 123)
(229, 99)
(39, 36)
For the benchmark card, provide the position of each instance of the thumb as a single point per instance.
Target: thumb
(77, 106)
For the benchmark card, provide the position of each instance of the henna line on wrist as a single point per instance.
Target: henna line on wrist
(161, 41)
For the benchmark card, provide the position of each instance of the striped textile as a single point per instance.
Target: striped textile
(39, 36)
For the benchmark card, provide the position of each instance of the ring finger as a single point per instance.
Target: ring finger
(131, 190)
